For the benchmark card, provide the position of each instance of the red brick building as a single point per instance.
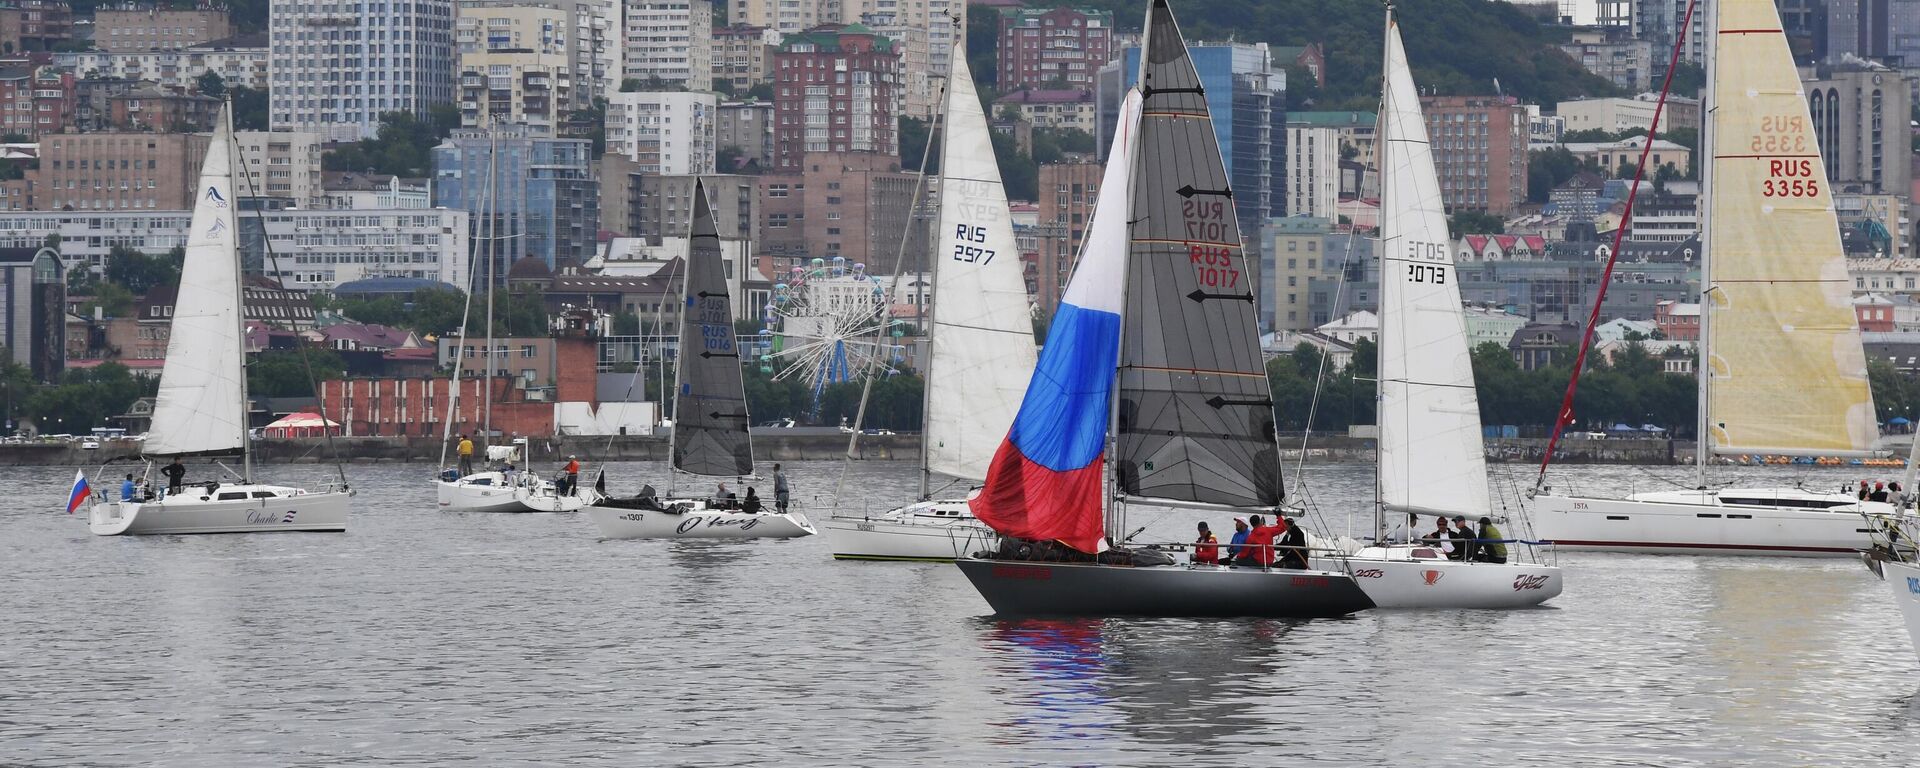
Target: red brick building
(1067, 194)
(836, 89)
(417, 406)
(854, 205)
(1048, 48)
(1480, 149)
(34, 25)
(1677, 321)
(35, 100)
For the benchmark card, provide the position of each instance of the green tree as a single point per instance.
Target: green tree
(760, 92)
(86, 398)
(914, 135)
(139, 273)
(1688, 80)
(1547, 169)
(983, 38)
(284, 372)
(1476, 223)
(210, 83)
(249, 108)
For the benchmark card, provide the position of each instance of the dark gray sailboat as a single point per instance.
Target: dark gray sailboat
(710, 436)
(1156, 344)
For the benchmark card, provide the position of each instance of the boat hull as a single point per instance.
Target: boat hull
(1698, 523)
(1402, 578)
(1020, 588)
(933, 531)
(464, 495)
(1904, 580)
(194, 511)
(694, 520)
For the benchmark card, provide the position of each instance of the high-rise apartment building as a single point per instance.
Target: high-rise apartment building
(835, 89)
(855, 205)
(671, 41)
(672, 132)
(530, 196)
(748, 127)
(1067, 194)
(1861, 115)
(516, 65)
(36, 100)
(1062, 48)
(787, 17)
(151, 28)
(743, 56)
(1246, 95)
(119, 171)
(338, 65)
(1298, 265)
(1313, 170)
(1480, 150)
(34, 25)
(284, 164)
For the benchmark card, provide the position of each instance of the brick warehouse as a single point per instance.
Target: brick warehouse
(416, 406)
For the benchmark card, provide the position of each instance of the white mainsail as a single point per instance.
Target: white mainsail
(982, 336)
(201, 407)
(1782, 328)
(1430, 451)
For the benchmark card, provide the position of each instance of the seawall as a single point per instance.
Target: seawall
(774, 446)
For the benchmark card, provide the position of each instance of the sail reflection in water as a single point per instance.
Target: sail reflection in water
(1065, 658)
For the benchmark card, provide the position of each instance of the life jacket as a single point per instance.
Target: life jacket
(1206, 550)
(1260, 542)
(573, 467)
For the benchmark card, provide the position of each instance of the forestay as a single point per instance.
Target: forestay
(1196, 414)
(982, 334)
(1430, 451)
(201, 403)
(1782, 328)
(710, 402)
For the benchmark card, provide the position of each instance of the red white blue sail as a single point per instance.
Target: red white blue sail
(1045, 481)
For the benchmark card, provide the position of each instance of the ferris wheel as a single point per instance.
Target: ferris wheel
(825, 325)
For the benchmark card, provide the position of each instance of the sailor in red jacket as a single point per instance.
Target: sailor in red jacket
(1206, 549)
(1258, 552)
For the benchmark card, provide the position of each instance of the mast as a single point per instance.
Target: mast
(493, 235)
(1380, 243)
(240, 316)
(1703, 435)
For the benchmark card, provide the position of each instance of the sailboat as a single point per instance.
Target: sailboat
(1895, 554)
(1154, 344)
(1781, 368)
(201, 409)
(490, 489)
(980, 345)
(1431, 459)
(710, 436)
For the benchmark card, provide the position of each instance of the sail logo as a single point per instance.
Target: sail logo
(219, 227)
(213, 196)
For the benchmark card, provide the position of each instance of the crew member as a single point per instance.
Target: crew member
(465, 450)
(175, 472)
(1293, 546)
(1491, 549)
(1258, 551)
(573, 476)
(1463, 540)
(1206, 549)
(1879, 492)
(779, 489)
(1236, 544)
(126, 489)
(751, 505)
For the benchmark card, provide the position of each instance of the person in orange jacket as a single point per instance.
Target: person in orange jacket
(573, 476)
(1206, 549)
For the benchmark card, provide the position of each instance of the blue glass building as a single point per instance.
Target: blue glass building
(545, 202)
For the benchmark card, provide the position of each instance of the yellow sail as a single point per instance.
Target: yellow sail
(1788, 373)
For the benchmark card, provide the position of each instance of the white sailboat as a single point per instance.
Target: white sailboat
(201, 409)
(1782, 371)
(1431, 459)
(981, 350)
(492, 488)
(710, 435)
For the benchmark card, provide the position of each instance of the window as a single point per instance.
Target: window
(527, 350)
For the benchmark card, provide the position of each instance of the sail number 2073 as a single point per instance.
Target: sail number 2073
(1427, 273)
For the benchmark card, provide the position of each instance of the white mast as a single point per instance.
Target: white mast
(1702, 435)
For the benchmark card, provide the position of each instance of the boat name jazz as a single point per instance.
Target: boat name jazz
(1523, 582)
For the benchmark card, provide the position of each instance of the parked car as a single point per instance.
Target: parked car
(90, 445)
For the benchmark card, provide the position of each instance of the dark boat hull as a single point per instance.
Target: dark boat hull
(1021, 588)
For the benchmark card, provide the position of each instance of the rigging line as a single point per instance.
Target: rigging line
(306, 360)
(886, 314)
(1565, 415)
(639, 371)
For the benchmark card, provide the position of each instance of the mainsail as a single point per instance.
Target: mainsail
(1046, 480)
(1196, 413)
(201, 407)
(710, 405)
(1430, 451)
(1782, 327)
(982, 335)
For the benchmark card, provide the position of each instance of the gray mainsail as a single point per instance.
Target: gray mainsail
(710, 400)
(1195, 418)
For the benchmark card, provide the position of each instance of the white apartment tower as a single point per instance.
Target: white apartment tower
(337, 65)
(1313, 171)
(670, 40)
(664, 133)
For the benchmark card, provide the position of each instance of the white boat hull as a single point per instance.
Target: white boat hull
(693, 519)
(929, 531)
(1423, 577)
(1904, 580)
(1710, 523)
(195, 510)
(489, 492)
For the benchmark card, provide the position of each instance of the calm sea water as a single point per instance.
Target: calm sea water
(428, 638)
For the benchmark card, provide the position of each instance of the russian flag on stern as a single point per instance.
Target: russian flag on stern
(1045, 481)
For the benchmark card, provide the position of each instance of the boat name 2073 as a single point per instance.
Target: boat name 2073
(1368, 573)
(1524, 581)
(743, 523)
